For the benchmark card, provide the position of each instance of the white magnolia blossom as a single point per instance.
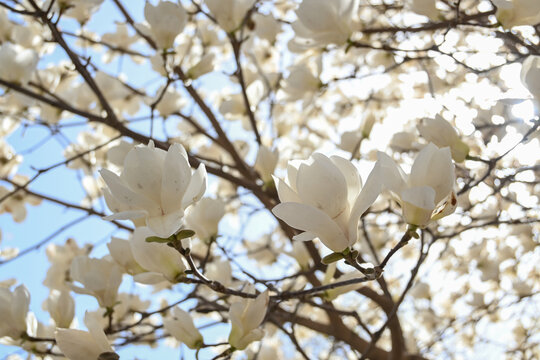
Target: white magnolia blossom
(530, 75)
(182, 328)
(204, 66)
(425, 7)
(80, 10)
(324, 22)
(18, 63)
(100, 278)
(441, 133)
(61, 307)
(13, 311)
(246, 316)
(204, 218)
(426, 194)
(324, 197)
(84, 345)
(266, 162)
(120, 251)
(229, 14)
(167, 20)
(161, 262)
(156, 185)
(512, 13)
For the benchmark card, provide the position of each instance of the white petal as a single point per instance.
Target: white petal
(305, 236)
(176, 178)
(77, 344)
(285, 192)
(365, 199)
(308, 218)
(125, 195)
(392, 176)
(149, 278)
(127, 215)
(167, 224)
(143, 169)
(156, 257)
(196, 188)
(322, 185)
(352, 177)
(420, 168)
(96, 330)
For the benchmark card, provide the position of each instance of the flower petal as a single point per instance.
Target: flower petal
(308, 218)
(196, 187)
(176, 178)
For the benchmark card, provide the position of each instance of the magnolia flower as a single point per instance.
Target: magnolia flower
(18, 63)
(100, 278)
(266, 27)
(428, 188)
(324, 197)
(512, 13)
(425, 8)
(154, 185)
(166, 20)
(246, 316)
(204, 66)
(324, 22)
(170, 102)
(229, 14)
(442, 134)
(204, 217)
(61, 307)
(120, 251)
(84, 345)
(13, 311)
(266, 162)
(302, 83)
(182, 328)
(530, 75)
(161, 261)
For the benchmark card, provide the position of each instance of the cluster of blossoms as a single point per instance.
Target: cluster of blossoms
(180, 240)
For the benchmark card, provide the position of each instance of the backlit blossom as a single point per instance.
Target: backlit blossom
(426, 193)
(156, 185)
(324, 197)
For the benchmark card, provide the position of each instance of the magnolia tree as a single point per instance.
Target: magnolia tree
(335, 179)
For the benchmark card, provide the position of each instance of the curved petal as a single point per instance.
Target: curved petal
(322, 185)
(96, 330)
(365, 199)
(196, 187)
(143, 168)
(352, 177)
(126, 215)
(76, 344)
(305, 236)
(125, 195)
(176, 178)
(391, 175)
(165, 225)
(308, 218)
(420, 168)
(285, 192)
